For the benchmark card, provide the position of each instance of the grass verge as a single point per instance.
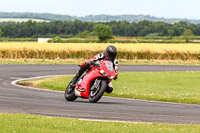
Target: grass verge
(180, 87)
(79, 61)
(20, 123)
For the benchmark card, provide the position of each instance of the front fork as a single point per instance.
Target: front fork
(95, 88)
(96, 84)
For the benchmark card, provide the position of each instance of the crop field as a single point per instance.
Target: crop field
(29, 50)
(20, 20)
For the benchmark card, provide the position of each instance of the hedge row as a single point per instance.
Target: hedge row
(18, 39)
(119, 41)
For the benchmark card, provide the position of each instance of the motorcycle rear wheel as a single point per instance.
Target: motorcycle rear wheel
(70, 93)
(95, 98)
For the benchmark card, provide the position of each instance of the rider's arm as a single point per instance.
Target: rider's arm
(116, 65)
(96, 58)
(116, 68)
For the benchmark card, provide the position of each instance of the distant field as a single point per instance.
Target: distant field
(17, 50)
(20, 20)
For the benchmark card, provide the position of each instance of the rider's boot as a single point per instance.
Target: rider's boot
(82, 69)
(76, 77)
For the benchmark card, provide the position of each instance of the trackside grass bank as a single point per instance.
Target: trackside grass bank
(121, 61)
(180, 87)
(19, 123)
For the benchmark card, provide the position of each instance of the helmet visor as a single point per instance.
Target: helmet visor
(111, 56)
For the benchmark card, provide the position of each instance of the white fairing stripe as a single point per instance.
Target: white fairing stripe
(77, 93)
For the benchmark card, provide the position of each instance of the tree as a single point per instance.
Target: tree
(170, 33)
(103, 32)
(57, 39)
(83, 34)
(1, 32)
(187, 34)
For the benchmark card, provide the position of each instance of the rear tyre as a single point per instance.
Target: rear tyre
(95, 95)
(70, 93)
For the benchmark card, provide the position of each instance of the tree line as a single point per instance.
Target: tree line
(73, 28)
(92, 18)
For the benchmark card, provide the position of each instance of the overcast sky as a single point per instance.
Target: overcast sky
(158, 8)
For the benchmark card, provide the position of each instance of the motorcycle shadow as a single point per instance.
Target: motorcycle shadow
(99, 102)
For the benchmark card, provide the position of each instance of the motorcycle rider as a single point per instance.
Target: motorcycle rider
(109, 54)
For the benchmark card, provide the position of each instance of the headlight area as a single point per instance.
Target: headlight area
(111, 77)
(102, 72)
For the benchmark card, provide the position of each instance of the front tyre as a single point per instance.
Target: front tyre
(98, 92)
(70, 93)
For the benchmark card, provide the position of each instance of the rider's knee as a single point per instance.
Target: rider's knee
(109, 88)
(83, 67)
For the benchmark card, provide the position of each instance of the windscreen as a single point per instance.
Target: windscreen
(109, 65)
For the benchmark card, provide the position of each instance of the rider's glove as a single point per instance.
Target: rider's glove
(93, 63)
(116, 77)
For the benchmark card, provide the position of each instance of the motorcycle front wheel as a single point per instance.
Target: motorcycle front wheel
(70, 93)
(97, 93)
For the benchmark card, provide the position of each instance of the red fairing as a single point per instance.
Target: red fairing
(85, 84)
(101, 57)
(109, 72)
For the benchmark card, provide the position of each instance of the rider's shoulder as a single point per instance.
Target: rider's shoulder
(100, 56)
(116, 62)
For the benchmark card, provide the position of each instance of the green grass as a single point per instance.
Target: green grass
(41, 61)
(180, 87)
(20, 123)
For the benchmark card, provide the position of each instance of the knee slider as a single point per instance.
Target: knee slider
(109, 89)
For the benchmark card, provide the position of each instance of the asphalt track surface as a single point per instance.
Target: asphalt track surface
(14, 99)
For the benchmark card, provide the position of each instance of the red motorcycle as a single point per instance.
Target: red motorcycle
(93, 84)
